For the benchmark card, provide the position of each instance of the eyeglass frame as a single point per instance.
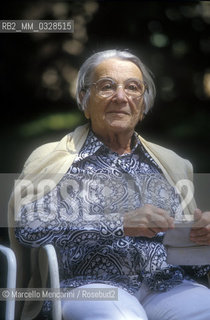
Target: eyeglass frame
(120, 85)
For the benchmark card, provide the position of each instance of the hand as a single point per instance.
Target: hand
(200, 232)
(147, 221)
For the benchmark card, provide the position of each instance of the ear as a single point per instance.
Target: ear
(81, 95)
(86, 111)
(142, 114)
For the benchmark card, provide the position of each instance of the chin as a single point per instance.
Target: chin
(119, 126)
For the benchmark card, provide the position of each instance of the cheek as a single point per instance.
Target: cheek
(137, 108)
(96, 107)
(140, 108)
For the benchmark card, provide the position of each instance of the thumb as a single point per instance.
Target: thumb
(197, 214)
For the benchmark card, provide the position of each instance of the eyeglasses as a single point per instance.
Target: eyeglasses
(107, 87)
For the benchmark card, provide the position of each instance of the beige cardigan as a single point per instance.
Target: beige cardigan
(54, 160)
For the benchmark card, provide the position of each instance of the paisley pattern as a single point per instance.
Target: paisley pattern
(83, 217)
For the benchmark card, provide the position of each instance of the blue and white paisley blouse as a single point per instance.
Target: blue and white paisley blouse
(83, 217)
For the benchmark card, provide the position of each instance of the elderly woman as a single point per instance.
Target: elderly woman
(110, 198)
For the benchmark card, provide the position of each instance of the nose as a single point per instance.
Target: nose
(120, 94)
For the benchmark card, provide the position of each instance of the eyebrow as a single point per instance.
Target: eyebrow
(109, 78)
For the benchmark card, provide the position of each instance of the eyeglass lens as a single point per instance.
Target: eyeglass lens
(108, 87)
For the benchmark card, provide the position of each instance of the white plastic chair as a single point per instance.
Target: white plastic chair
(54, 279)
(12, 274)
(11, 280)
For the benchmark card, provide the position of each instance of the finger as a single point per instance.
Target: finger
(159, 217)
(195, 233)
(154, 231)
(201, 223)
(200, 237)
(197, 218)
(204, 220)
(158, 211)
(199, 232)
(146, 231)
(202, 240)
(197, 214)
(138, 231)
(167, 217)
(160, 222)
(158, 225)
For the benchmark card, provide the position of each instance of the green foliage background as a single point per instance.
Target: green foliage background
(38, 72)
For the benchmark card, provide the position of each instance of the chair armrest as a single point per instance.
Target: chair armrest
(11, 280)
(54, 279)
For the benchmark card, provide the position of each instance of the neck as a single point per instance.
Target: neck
(117, 142)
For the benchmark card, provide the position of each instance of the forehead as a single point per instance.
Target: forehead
(117, 69)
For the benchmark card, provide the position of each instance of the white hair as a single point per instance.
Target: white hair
(87, 69)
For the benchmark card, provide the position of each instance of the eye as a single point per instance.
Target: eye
(106, 86)
(132, 87)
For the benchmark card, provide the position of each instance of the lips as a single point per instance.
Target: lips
(119, 112)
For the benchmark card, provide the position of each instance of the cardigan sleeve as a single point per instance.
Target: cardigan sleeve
(38, 154)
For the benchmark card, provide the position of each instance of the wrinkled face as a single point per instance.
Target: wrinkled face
(119, 112)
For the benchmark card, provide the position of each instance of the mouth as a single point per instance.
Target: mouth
(119, 112)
